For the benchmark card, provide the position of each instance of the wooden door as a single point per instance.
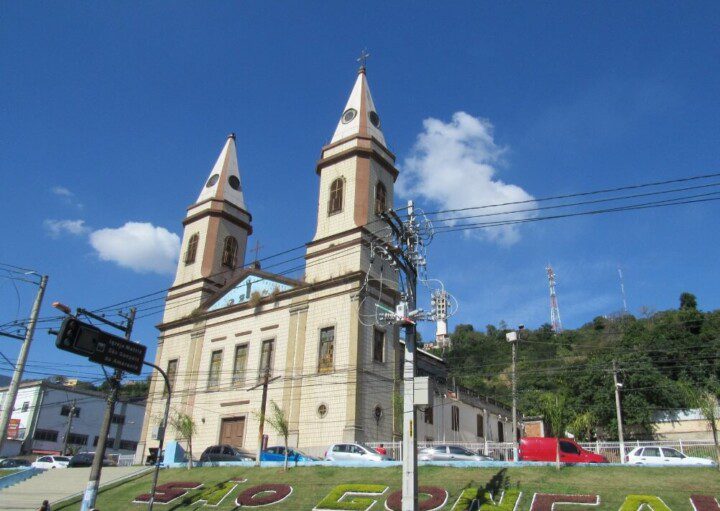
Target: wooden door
(232, 431)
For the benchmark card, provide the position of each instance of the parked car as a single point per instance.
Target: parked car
(51, 462)
(656, 455)
(450, 453)
(14, 463)
(85, 459)
(225, 453)
(277, 453)
(545, 449)
(354, 452)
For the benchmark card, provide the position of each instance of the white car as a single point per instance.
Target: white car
(354, 452)
(51, 462)
(657, 455)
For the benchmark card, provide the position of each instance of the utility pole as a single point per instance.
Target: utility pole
(405, 254)
(263, 406)
(91, 490)
(618, 386)
(11, 395)
(513, 337)
(68, 428)
(163, 428)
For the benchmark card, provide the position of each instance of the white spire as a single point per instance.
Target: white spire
(359, 116)
(224, 180)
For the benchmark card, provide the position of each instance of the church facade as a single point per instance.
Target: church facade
(228, 326)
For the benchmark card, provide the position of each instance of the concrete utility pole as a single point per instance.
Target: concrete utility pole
(91, 490)
(163, 427)
(68, 428)
(11, 395)
(618, 386)
(266, 380)
(513, 337)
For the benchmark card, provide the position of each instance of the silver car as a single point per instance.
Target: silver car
(354, 452)
(450, 453)
(657, 455)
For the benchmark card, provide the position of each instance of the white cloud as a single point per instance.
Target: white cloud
(454, 165)
(58, 227)
(139, 246)
(67, 196)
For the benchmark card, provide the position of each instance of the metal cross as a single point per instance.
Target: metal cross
(257, 248)
(363, 57)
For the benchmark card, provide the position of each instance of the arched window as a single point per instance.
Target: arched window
(380, 198)
(229, 252)
(335, 203)
(191, 251)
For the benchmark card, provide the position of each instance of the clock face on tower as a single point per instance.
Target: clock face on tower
(349, 115)
(213, 179)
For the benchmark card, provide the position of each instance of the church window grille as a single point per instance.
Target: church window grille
(378, 345)
(266, 358)
(455, 418)
(171, 372)
(229, 252)
(335, 203)
(240, 364)
(327, 347)
(214, 373)
(191, 251)
(380, 198)
(480, 425)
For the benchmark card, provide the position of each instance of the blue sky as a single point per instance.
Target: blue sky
(115, 112)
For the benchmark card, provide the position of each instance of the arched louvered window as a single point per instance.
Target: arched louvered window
(229, 252)
(335, 203)
(380, 198)
(191, 250)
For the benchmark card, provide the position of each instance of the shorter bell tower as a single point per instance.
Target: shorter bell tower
(216, 228)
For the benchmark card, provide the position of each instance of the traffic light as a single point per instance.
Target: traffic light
(77, 337)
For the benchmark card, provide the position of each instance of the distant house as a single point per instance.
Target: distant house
(44, 414)
(687, 424)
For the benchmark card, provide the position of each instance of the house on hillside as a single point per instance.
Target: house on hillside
(49, 417)
(689, 424)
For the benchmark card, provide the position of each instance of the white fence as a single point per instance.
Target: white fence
(611, 450)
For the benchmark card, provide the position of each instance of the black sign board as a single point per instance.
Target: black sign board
(101, 347)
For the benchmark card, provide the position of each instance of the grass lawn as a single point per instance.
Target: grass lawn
(311, 484)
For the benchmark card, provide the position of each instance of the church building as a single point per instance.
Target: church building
(227, 325)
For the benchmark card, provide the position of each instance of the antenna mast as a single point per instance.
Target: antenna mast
(622, 289)
(554, 309)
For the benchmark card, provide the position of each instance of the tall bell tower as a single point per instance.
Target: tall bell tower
(216, 228)
(357, 175)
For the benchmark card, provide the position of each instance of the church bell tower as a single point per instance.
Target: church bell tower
(216, 228)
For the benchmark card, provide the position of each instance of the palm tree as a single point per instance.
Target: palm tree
(556, 413)
(185, 427)
(279, 422)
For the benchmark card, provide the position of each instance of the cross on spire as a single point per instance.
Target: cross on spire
(362, 59)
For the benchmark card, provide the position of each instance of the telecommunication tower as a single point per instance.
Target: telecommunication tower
(622, 290)
(554, 309)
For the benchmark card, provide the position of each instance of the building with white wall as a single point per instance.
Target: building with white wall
(48, 418)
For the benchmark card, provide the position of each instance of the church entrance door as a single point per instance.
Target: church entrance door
(232, 431)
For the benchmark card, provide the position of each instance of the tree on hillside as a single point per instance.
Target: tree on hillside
(707, 402)
(279, 422)
(688, 301)
(185, 428)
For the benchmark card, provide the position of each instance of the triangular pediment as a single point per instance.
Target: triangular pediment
(250, 283)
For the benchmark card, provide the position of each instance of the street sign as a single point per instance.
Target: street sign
(101, 347)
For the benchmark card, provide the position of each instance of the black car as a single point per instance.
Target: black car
(85, 459)
(225, 453)
(14, 463)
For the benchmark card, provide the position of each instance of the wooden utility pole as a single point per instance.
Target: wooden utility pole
(266, 380)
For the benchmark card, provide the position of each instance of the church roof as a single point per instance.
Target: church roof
(359, 116)
(223, 183)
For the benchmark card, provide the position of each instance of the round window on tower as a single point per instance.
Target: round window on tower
(349, 115)
(234, 182)
(374, 119)
(322, 410)
(213, 179)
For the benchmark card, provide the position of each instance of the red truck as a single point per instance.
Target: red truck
(545, 449)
